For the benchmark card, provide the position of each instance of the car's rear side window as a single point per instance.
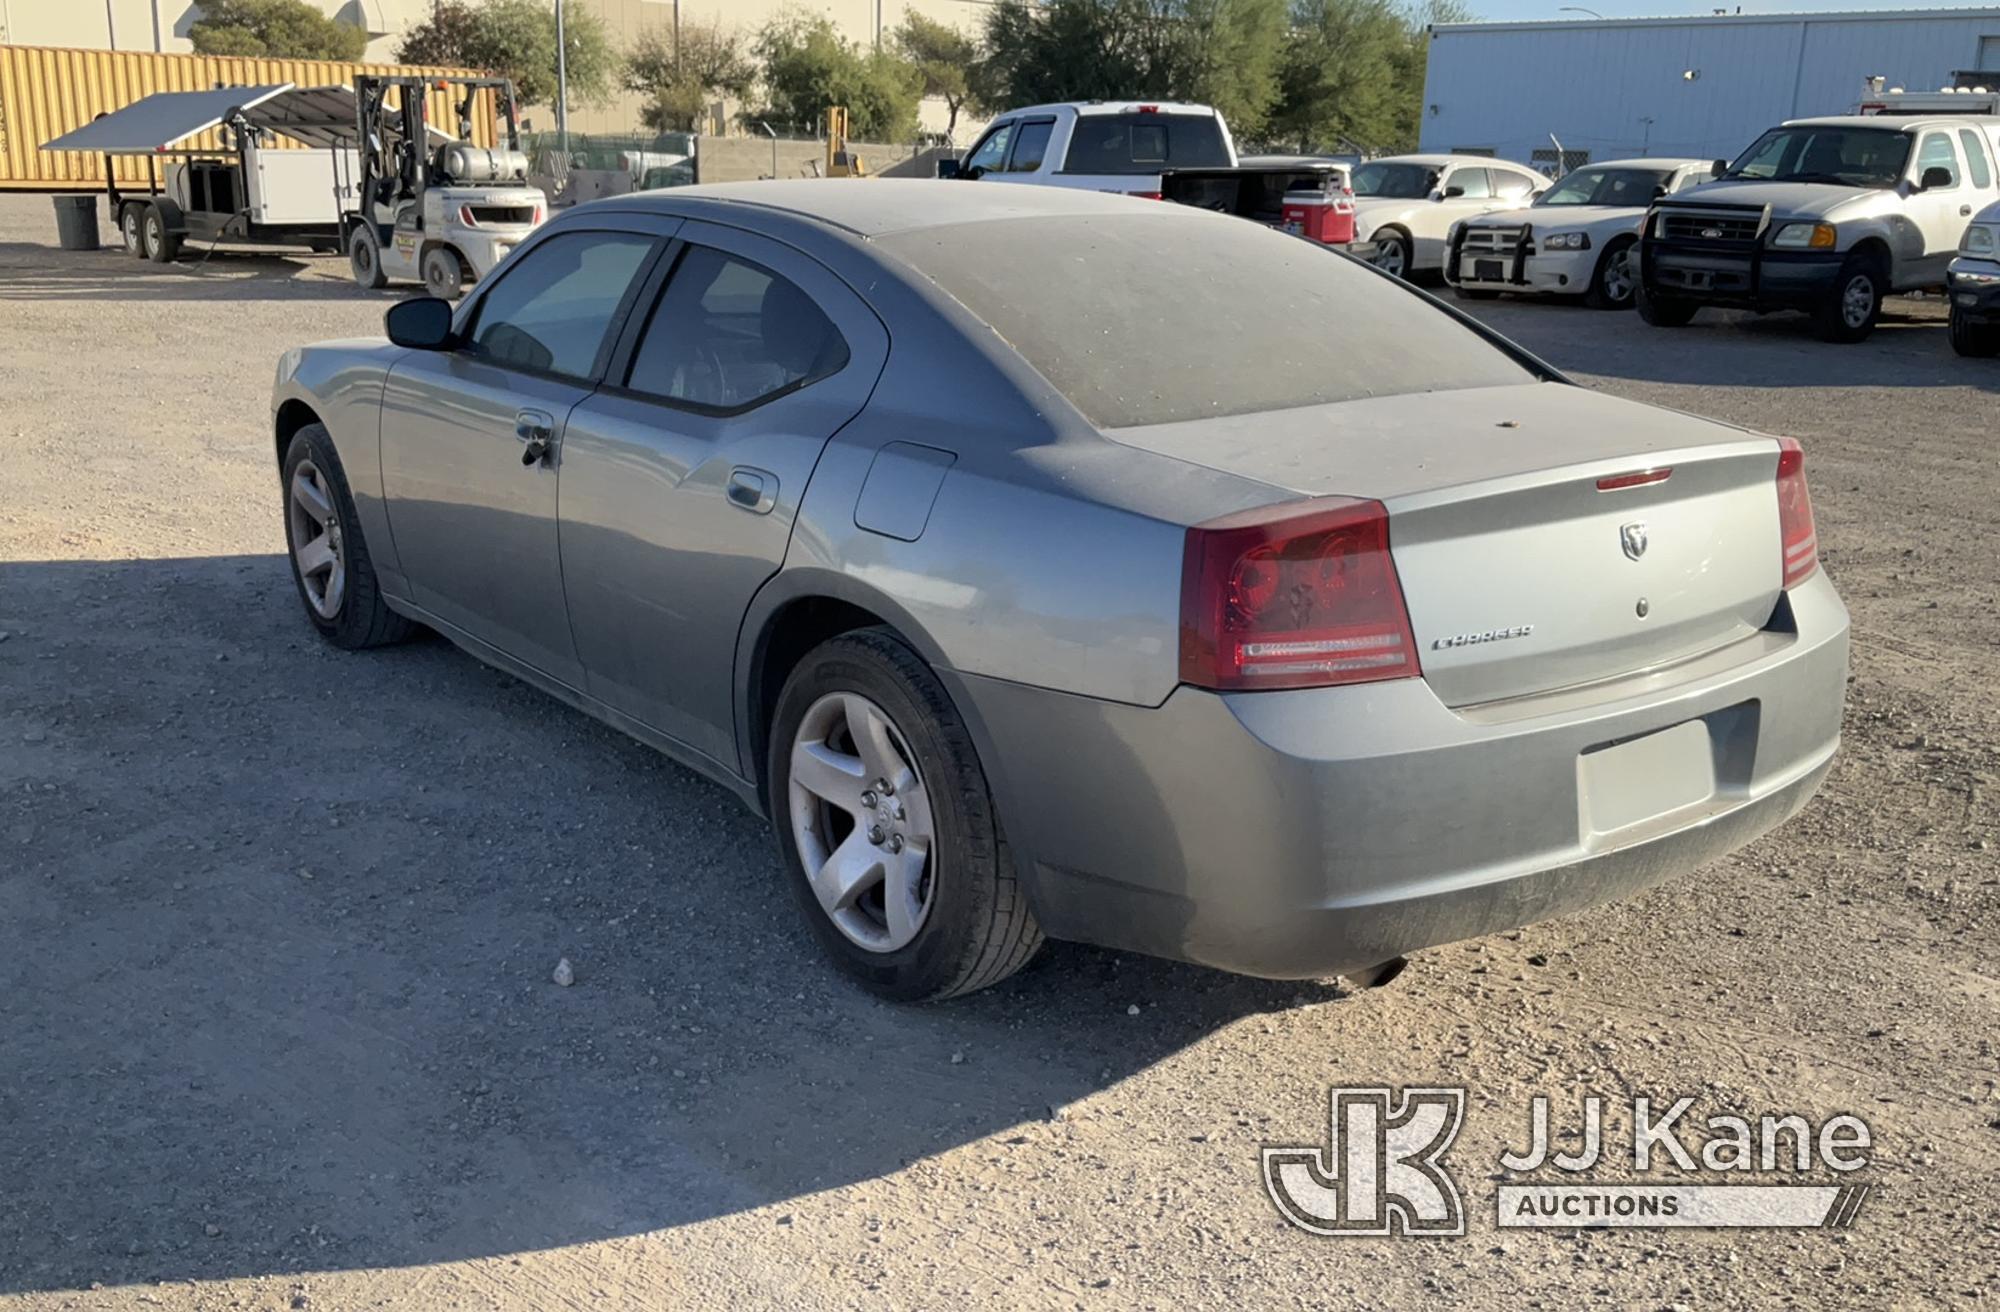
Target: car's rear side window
(1145, 143)
(553, 309)
(729, 334)
(1240, 319)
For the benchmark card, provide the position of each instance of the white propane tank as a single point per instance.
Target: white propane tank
(463, 163)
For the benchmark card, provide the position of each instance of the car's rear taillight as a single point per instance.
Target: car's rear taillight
(465, 216)
(1795, 517)
(1147, 195)
(1296, 596)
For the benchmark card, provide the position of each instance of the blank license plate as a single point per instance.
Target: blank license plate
(1646, 778)
(1488, 270)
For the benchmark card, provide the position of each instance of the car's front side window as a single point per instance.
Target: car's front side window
(991, 153)
(553, 310)
(1472, 184)
(728, 334)
(1937, 152)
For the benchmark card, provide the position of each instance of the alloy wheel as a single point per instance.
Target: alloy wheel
(862, 821)
(316, 546)
(1857, 300)
(1389, 258)
(1618, 284)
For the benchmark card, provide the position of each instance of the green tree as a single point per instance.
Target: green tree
(517, 38)
(681, 74)
(1226, 53)
(809, 66)
(278, 29)
(1352, 73)
(949, 61)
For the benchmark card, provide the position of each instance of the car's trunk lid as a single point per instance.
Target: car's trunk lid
(1522, 574)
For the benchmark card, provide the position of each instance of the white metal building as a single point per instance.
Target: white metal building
(1697, 87)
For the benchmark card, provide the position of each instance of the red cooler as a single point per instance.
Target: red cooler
(1318, 216)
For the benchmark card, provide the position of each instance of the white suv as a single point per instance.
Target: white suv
(1099, 145)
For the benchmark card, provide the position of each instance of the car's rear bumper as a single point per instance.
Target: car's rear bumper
(1740, 277)
(1975, 287)
(1300, 834)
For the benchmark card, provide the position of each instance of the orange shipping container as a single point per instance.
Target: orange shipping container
(46, 91)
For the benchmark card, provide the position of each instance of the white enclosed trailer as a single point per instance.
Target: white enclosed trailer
(250, 190)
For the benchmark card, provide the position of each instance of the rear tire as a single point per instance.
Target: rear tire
(132, 228)
(1661, 311)
(1974, 337)
(331, 566)
(868, 703)
(158, 235)
(1849, 311)
(1614, 283)
(444, 273)
(364, 257)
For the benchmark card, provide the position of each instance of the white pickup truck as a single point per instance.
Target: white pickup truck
(1098, 145)
(1824, 215)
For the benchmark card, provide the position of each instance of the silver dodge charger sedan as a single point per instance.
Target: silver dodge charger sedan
(1044, 562)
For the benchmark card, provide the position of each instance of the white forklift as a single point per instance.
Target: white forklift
(443, 216)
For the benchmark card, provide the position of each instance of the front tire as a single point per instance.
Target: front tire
(330, 562)
(1394, 255)
(1614, 284)
(364, 257)
(1973, 337)
(1849, 312)
(1661, 311)
(158, 237)
(887, 826)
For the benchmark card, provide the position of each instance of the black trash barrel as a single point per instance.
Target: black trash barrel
(76, 222)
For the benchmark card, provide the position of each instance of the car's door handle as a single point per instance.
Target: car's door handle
(754, 490)
(536, 429)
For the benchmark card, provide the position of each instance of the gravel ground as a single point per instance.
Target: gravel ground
(277, 926)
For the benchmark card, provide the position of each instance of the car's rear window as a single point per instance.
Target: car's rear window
(1149, 318)
(1145, 143)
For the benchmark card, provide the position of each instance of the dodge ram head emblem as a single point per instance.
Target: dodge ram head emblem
(1633, 538)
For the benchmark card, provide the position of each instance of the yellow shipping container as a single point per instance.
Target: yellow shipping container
(46, 91)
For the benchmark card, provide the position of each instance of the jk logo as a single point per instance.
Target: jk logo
(1382, 1170)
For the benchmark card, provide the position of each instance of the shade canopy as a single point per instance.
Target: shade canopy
(315, 116)
(162, 120)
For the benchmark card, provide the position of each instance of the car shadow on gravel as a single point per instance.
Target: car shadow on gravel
(277, 926)
(1729, 348)
(31, 272)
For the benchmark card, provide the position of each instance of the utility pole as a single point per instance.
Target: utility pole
(562, 85)
(111, 23)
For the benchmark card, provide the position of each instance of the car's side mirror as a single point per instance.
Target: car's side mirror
(1718, 168)
(948, 168)
(1450, 192)
(972, 174)
(422, 323)
(1935, 176)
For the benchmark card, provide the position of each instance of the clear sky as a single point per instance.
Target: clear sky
(1528, 10)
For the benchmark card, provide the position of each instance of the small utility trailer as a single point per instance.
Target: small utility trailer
(250, 190)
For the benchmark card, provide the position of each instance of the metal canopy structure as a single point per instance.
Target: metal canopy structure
(324, 117)
(161, 121)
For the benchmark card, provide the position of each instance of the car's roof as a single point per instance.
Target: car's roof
(1885, 122)
(1452, 159)
(1085, 107)
(870, 207)
(1644, 162)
